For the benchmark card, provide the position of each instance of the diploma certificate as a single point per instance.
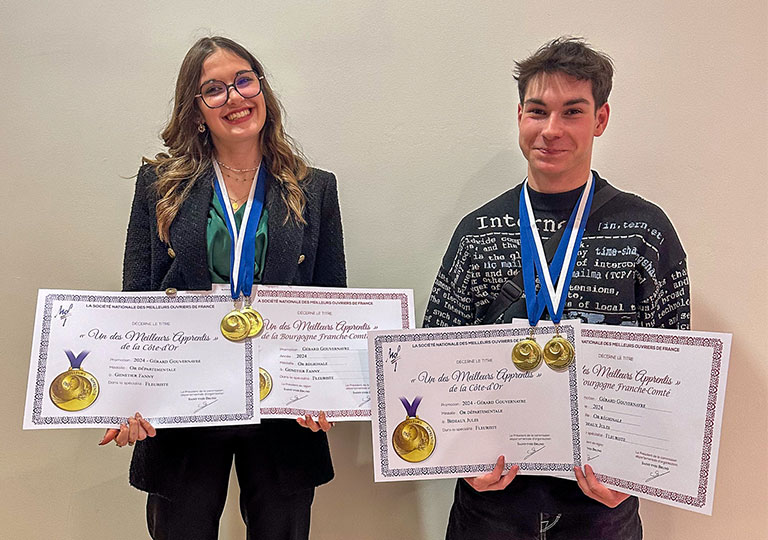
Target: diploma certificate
(642, 406)
(476, 402)
(652, 404)
(313, 352)
(158, 354)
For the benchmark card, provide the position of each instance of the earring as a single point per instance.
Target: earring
(201, 127)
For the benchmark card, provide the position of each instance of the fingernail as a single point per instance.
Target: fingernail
(138, 416)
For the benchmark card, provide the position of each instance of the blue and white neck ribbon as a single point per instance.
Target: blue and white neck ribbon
(533, 256)
(242, 255)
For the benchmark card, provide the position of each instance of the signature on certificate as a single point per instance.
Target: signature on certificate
(597, 453)
(366, 400)
(294, 399)
(64, 314)
(204, 405)
(394, 356)
(655, 474)
(533, 449)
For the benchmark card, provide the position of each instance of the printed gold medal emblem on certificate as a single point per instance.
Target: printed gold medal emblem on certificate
(74, 389)
(265, 383)
(413, 439)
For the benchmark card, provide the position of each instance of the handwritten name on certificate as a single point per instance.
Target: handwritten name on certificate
(449, 401)
(98, 357)
(313, 352)
(652, 405)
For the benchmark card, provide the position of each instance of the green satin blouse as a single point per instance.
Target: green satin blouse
(219, 243)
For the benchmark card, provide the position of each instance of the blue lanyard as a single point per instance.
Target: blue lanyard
(243, 251)
(533, 259)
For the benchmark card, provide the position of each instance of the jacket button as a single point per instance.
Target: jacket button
(170, 291)
(171, 253)
(301, 258)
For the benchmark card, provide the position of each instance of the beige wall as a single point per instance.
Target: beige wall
(412, 105)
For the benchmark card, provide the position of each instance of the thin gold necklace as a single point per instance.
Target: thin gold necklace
(236, 202)
(250, 169)
(236, 178)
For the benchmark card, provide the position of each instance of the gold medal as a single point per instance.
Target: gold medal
(414, 439)
(558, 352)
(256, 321)
(235, 325)
(265, 383)
(75, 389)
(526, 354)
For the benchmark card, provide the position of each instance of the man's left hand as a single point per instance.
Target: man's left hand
(593, 489)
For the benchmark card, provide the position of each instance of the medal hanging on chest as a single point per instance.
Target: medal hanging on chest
(558, 353)
(526, 354)
(239, 324)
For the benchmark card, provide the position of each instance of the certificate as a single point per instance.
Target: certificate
(652, 404)
(98, 357)
(449, 401)
(642, 406)
(313, 352)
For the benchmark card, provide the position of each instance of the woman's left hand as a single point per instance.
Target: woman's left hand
(593, 489)
(321, 423)
(136, 428)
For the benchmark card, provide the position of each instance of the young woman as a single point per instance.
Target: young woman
(226, 127)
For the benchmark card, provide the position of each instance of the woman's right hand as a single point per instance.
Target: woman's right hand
(322, 422)
(136, 429)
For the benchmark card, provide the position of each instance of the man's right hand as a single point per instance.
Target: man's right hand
(494, 480)
(137, 429)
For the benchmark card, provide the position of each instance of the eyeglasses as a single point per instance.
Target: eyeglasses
(215, 94)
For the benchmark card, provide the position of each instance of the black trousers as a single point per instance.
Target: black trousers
(193, 512)
(484, 516)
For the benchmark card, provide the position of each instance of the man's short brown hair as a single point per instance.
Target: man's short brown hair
(572, 56)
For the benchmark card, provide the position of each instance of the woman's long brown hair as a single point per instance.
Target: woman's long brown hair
(189, 151)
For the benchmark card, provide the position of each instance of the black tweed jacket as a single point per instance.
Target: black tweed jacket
(311, 254)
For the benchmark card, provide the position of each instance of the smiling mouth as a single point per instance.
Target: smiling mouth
(237, 115)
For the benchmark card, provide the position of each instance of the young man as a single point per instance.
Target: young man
(630, 270)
